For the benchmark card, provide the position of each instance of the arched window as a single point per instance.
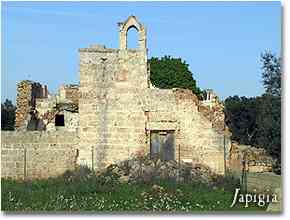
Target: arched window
(132, 34)
(132, 38)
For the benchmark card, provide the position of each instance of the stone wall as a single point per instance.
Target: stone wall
(118, 110)
(111, 118)
(37, 154)
(69, 93)
(43, 105)
(213, 110)
(249, 158)
(112, 123)
(196, 139)
(27, 92)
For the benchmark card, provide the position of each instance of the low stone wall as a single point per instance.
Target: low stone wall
(263, 182)
(37, 154)
(256, 160)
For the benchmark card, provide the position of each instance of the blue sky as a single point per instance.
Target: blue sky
(221, 41)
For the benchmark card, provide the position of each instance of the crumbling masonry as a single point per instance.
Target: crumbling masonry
(121, 114)
(113, 114)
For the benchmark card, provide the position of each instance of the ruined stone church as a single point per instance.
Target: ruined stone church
(121, 113)
(113, 114)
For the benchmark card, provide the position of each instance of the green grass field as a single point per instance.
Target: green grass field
(97, 195)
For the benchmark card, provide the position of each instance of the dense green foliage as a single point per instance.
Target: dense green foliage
(168, 72)
(257, 120)
(7, 115)
(241, 115)
(271, 73)
(88, 192)
(269, 127)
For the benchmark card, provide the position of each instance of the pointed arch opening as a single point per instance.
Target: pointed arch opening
(132, 38)
(132, 34)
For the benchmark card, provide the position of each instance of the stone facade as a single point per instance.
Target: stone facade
(119, 109)
(113, 114)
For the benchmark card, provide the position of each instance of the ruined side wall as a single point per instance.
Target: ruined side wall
(27, 92)
(197, 140)
(37, 154)
(118, 111)
(214, 112)
(207, 145)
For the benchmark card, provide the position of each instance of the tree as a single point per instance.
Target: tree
(7, 115)
(240, 116)
(271, 73)
(168, 72)
(269, 107)
(257, 121)
(269, 126)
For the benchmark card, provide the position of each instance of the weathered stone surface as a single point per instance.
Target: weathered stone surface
(37, 154)
(213, 110)
(119, 109)
(249, 158)
(37, 109)
(69, 93)
(115, 109)
(27, 93)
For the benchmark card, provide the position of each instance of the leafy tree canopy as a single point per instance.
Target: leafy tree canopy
(7, 115)
(271, 73)
(241, 115)
(168, 72)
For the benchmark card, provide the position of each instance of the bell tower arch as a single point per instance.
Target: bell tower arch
(132, 22)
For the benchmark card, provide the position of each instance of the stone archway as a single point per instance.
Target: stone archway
(132, 22)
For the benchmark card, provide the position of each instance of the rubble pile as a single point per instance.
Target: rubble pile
(147, 170)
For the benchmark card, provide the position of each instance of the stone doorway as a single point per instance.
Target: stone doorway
(162, 145)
